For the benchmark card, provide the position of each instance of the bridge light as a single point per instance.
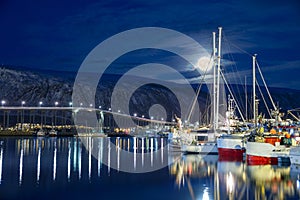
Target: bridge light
(109, 109)
(135, 114)
(119, 111)
(40, 103)
(100, 107)
(3, 102)
(56, 103)
(23, 103)
(81, 104)
(91, 105)
(143, 116)
(70, 104)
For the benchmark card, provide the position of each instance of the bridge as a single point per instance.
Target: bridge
(27, 114)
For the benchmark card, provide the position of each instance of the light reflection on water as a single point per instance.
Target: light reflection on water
(237, 180)
(32, 168)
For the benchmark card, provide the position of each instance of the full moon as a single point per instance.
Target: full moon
(204, 64)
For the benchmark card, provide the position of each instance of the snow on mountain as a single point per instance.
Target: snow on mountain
(32, 87)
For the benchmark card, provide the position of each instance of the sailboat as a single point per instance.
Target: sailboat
(226, 144)
(205, 142)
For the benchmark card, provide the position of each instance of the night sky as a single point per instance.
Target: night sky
(57, 35)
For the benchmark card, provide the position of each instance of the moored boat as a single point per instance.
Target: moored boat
(262, 153)
(200, 148)
(295, 155)
(204, 141)
(231, 144)
(52, 133)
(40, 132)
(199, 143)
(231, 147)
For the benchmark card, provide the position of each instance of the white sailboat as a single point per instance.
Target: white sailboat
(205, 143)
(219, 139)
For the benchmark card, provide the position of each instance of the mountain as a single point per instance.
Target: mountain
(32, 87)
(48, 87)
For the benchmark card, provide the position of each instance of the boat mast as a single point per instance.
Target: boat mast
(214, 82)
(229, 113)
(246, 97)
(218, 79)
(254, 95)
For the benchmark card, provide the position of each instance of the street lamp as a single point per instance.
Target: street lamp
(40, 104)
(119, 111)
(22, 116)
(100, 107)
(91, 105)
(81, 104)
(143, 122)
(109, 109)
(136, 119)
(2, 103)
(70, 104)
(152, 123)
(55, 113)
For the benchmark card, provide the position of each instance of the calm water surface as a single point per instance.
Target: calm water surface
(66, 168)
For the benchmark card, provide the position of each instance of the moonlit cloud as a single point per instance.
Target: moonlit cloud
(57, 35)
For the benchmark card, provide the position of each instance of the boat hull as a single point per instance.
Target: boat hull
(295, 155)
(226, 154)
(261, 160)
(259, 153)
(231, 149)
(202, 148)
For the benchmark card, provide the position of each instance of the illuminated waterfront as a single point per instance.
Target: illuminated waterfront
(47, 168)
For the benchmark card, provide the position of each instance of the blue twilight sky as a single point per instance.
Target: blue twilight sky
(58, 34)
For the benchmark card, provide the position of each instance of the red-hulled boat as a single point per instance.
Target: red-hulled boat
(266, 152)
(231, 147)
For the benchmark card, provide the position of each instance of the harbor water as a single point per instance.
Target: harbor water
(132, 168)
